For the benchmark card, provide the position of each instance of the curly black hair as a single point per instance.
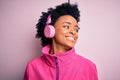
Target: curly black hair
(60, 10)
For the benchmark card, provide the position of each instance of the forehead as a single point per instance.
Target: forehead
(66, 18)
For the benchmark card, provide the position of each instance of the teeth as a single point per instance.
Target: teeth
(70, 38)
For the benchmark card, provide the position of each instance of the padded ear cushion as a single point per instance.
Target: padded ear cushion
(49, 31)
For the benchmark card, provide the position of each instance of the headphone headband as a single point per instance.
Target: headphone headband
(48, 20)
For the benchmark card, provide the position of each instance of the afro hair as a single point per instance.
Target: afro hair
(60, 10)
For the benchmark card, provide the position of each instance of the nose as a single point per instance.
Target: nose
(72, 31)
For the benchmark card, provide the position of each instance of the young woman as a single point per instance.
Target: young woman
(58, 29)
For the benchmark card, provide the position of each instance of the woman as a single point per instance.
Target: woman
(58, 29)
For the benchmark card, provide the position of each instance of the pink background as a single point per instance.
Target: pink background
(99, 37)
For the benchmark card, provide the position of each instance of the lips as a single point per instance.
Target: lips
(70, 38)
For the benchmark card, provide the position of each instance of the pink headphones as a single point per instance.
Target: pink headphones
(49, 30)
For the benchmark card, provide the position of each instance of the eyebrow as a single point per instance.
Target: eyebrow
(66, 22)
(70, 23)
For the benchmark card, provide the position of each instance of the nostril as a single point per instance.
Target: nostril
(72, 32)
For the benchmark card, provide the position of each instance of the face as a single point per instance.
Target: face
(66, 28)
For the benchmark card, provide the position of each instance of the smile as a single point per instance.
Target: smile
(70, 38)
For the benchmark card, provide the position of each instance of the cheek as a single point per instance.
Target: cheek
(76, 37)
(60, 35)
(60, 32)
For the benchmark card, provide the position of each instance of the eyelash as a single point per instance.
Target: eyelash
(67, 27)
(77, 30)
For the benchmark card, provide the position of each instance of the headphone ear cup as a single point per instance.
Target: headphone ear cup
(49, 31)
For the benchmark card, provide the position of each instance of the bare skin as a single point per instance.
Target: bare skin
(66, 28)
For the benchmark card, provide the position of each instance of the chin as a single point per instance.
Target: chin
(70, 46)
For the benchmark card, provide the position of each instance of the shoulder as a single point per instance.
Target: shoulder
(87, 66)
(85, 61)
(36, 61)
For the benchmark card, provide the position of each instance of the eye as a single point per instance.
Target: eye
(66, 26)
(77, 29)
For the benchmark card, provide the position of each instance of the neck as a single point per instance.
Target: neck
(58, 49)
